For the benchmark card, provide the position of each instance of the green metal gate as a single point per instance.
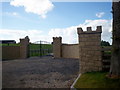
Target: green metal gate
(40, 48)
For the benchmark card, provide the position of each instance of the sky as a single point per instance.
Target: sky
(44, 19)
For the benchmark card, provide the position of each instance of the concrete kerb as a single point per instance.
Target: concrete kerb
(72, 86)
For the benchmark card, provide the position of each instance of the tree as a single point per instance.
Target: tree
(115, 59)
(105, 43)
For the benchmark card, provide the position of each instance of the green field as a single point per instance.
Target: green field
(39, 49)
(38, 46)
(96, 80)
(9, 44)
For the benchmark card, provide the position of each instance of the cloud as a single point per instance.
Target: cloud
(69, 34)
(39, 7)
(73, 0)
(9, 34)
(100, 14)
(16, 14)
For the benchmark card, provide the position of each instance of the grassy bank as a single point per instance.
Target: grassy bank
(96, 80)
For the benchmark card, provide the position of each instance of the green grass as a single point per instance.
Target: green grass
(108, 52)
(9, 44)
(96, 80)
(37, 47)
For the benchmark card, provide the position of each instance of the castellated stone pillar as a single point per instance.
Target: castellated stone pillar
(57, 47)
(24, 50)
(90, 49)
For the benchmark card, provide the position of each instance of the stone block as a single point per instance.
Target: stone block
(98, 63)
(82, 44)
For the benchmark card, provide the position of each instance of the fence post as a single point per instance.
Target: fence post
(24, 47)
(40, 48)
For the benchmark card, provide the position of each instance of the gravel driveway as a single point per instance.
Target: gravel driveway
(36, 72)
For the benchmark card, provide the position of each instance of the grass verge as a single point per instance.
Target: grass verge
(96, 80)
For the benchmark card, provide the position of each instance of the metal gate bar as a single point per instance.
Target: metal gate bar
(40, 48)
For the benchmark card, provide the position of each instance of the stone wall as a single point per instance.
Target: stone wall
(10, 52)
(16, 52)
(64, 50)
(70, 51)
(90, 48)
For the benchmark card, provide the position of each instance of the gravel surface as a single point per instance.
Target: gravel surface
(35, 72)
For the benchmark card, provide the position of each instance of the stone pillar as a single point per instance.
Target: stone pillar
(90, 49)
(24, 47)
(57, 47)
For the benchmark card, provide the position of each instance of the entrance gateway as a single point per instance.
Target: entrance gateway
(40, 48)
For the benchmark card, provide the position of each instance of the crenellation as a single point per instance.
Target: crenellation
(79, 30)
(89, 52)
(99, 29)
(57, 38)
(89, 29)
(90, 49)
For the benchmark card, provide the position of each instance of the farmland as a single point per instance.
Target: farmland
(17, 44)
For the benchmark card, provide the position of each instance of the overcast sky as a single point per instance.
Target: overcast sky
(43, 19)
